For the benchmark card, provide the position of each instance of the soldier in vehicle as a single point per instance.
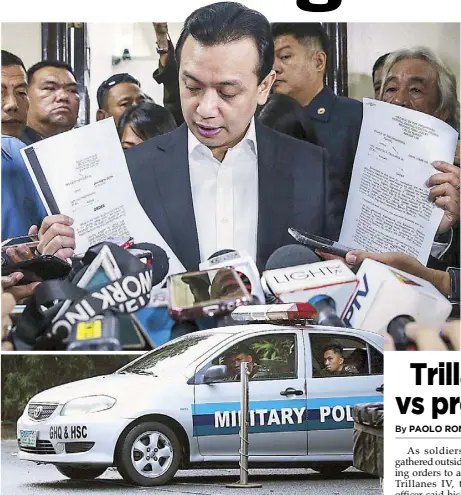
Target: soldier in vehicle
(333, 357)
(238, 355)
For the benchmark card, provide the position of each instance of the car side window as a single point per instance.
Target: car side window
(335, 355)
(270, 357)
(377, 361)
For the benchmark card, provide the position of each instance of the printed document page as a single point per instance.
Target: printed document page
(83, 174)
(388, 207)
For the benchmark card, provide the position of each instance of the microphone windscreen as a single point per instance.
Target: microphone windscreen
(160, 264)
(291, 255)
(221, 252)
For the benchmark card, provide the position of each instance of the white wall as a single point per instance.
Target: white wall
(107, 40)
(367, 41)
(24, 39)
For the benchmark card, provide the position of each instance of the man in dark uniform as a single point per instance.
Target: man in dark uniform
(236, 357)
(333, 358)
(301, 57)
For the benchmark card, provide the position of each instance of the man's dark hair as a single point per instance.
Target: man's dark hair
(241, 349)
(47, 63)
(303, 31)
(379, 63)
(147, 120)
(336, 348)
(108, 84)
(9, 59)
(284, 114)
(225, 22)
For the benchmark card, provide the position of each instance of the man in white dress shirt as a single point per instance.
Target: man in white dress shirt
(221, 180)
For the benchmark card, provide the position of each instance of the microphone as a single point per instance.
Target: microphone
(291, 255)
(387, 298)
(326, 311)
(160, 263)
(102, 333)
(295, 274)
(107, 277)
(283, 257)
(243, 264)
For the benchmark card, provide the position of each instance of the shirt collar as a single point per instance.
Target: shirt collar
(6, 145)
(249, 139)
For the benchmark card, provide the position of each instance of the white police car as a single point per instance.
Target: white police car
(177, 407)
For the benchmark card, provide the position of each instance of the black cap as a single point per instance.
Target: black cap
(108, 84)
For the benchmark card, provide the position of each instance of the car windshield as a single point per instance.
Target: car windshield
(175, 356)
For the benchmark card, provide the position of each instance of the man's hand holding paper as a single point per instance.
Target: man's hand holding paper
(57, 237)
(444, 193)
(83, 173)
(389, 208)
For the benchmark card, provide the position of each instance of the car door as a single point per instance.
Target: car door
(277, 397)
(331, 397)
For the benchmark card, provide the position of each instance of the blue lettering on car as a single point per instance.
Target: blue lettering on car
(270, 416)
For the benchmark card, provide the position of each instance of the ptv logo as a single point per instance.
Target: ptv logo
(318, 5)
(355, 304)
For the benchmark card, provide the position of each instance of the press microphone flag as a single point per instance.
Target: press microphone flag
(301, 283)
(242, 263)
(385, 293)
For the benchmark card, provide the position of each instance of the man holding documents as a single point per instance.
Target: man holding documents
(224, 181)
(220, 181)
(419, 80)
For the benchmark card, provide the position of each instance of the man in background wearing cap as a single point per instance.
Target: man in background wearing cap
(118, 93)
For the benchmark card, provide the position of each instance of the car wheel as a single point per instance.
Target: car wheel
(331, 470)
(80, 473)
(149, 454)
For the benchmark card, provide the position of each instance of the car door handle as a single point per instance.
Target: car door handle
(291, 391)
(380, 389)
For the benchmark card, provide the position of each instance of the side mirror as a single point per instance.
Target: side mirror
(215, 374)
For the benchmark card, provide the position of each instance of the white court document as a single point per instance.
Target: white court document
(388, 207)
(84, 175)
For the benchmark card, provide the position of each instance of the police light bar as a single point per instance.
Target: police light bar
(275, 312)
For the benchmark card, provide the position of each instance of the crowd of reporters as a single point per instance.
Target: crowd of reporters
(290, 97)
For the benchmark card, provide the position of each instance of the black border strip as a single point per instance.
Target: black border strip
(41, 179)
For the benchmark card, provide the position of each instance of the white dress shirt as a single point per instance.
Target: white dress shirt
(225, 195)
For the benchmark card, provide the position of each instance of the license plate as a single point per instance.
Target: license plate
(28, 438)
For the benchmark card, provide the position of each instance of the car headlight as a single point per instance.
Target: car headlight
(86, 405)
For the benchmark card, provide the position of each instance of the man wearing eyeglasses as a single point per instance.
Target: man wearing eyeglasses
(118, 93)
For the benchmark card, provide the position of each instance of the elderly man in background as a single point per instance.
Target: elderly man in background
(54, 100)
(418, 79)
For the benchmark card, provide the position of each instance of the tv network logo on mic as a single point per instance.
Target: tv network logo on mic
(318, 6)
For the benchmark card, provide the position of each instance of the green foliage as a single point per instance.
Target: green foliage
(23, 376)
(273, 348)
